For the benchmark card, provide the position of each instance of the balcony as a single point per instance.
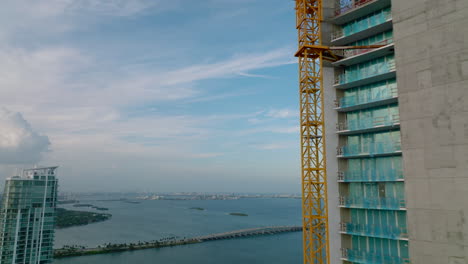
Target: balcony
(341, 37)
(376, 149)
(352, 103)
(344, 80)
(371, 175)
(385, 203)
(389, 232)
(366, 257)
(367, 125)
(347, 12)
(352, 5)
(355, 56)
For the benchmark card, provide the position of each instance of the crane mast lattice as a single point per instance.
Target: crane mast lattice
(312, 128)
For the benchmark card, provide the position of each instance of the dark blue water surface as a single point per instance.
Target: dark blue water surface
(152, 220)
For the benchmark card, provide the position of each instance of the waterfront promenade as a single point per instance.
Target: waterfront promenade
(70, 251)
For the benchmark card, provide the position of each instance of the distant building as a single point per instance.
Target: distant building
(27, 217)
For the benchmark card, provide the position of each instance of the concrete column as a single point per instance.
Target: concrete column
(331, 117)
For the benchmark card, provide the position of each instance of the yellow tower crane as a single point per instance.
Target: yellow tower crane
(313, 156)
(311, 53)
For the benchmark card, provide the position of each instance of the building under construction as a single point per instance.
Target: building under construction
(384, 130)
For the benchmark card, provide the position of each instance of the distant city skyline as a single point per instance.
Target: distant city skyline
(150, 95)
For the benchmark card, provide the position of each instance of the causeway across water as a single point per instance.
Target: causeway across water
(250, 232)
(110, 248)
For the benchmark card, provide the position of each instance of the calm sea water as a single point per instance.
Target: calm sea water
(150, 220)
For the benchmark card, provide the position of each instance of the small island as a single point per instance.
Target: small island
(100, 208)
(198, 208)
(68, 218)
(91, 206)
(238, 214)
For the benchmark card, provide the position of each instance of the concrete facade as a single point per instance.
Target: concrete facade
(331, 143)
(332, 167)
(431, 41)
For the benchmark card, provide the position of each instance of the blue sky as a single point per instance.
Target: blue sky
(150, 95)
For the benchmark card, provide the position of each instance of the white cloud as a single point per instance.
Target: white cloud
(254, 75)
(271, 117)
(230, 67)
(273, 146)
(285, 129)
(38, 76)
(34, 18)
(277, 129)
(49, 79)
(118, 7)
(19, 143)
(55, 8)
(282, 113)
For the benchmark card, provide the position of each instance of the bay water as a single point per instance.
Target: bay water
(158, 219)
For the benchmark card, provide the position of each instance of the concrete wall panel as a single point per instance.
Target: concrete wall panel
(431, 42)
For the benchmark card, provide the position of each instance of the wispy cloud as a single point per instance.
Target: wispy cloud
(255, 75)
(268, 116)
(285, 129)
(55, 8)
(273, 146)
(207, 98)
(118, 7)
(51, 78)
(230, 67)
(21, 19)
(269, 129)
(282, 113)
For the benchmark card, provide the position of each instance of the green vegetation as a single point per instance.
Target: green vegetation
(68, 218)
(238, 214)
(198, 208)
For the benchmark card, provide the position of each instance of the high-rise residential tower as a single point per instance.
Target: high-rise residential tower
(396, 120)
(366, 142)
(27, 217)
